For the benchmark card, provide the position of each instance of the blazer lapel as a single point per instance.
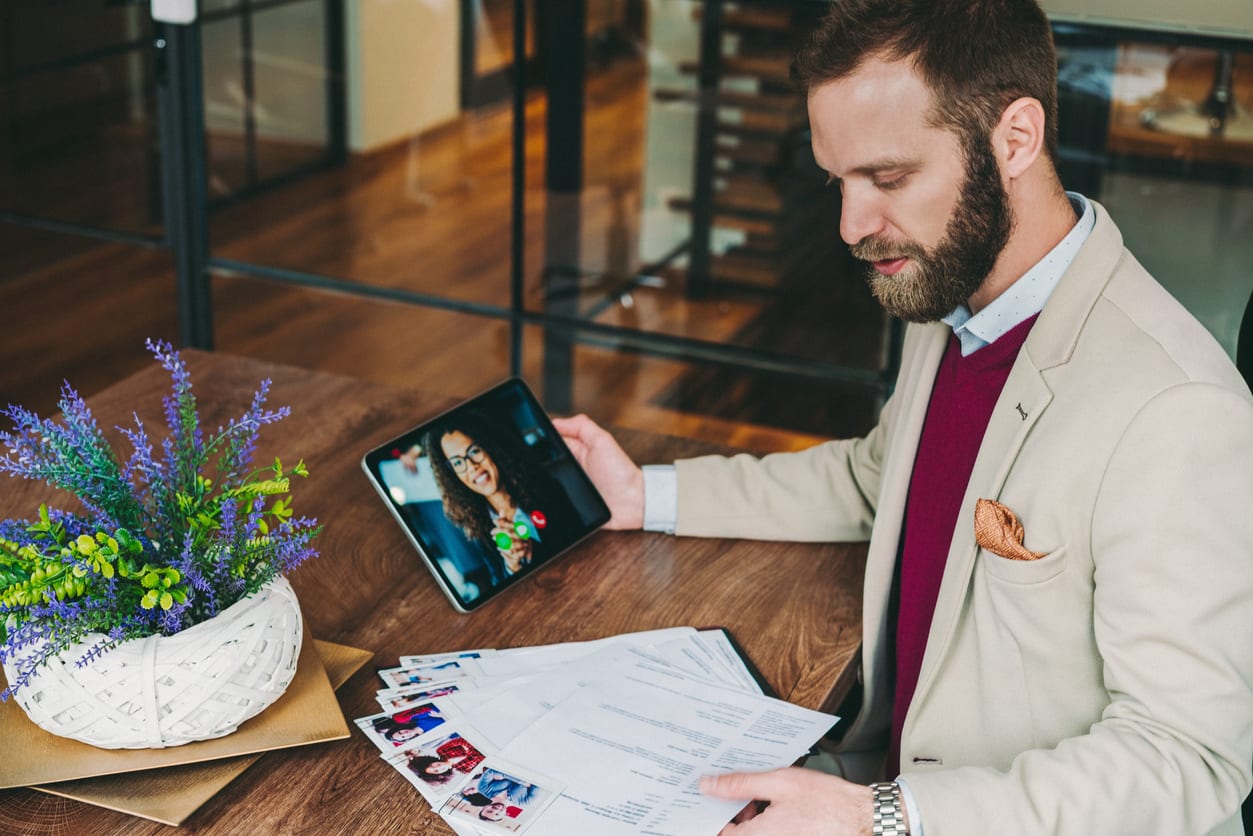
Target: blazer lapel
(914, 386)
(1023, 400)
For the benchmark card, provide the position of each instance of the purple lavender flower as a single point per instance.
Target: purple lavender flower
(161, 545)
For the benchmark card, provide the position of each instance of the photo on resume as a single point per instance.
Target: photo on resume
(441, 762)
(390, 732)
(500, 798)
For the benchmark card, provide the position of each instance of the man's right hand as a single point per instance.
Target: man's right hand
(619, 480)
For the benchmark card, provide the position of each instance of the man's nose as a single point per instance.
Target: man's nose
(860, 216)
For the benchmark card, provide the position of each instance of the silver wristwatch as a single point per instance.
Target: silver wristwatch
(888, 810)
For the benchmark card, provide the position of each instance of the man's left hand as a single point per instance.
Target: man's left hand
(802, 802)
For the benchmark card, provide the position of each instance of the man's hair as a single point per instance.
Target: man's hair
(977, 56)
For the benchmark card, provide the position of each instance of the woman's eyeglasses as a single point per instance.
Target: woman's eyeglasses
(474, 453)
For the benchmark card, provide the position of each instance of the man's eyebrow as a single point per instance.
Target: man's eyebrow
(890, 164)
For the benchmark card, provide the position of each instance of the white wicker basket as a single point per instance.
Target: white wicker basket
(169, 690)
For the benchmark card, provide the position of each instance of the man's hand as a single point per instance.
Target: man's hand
(619, 480)
(802, 802)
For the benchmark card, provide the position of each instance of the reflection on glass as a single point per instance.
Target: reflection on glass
(717, 229)
(290, 65)
(422, 202)
(493, 35)
(225, 107)
(78, 137)
(1171, 138)
(1183, 102)
(722, 404)
(266, 97)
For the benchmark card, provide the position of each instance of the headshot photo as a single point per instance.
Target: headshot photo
(443, 760)
(399, 729)
(495, 799)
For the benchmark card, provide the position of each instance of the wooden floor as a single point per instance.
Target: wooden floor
(431, 215)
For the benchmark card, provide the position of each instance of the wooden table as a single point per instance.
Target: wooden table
(795, 608)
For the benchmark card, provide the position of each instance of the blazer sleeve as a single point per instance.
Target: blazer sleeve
(827, 493)
(1172, 551)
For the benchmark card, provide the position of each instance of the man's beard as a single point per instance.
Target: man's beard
(934, 283)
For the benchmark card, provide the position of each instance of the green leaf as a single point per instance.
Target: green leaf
(268, 487)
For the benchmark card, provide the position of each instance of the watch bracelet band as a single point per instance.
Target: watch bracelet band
(888, 810)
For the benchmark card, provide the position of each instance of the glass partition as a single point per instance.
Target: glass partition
(420, 205)
(1162, 135)
(78, 136)
(271, 92)
(613, 198)
(681, 209)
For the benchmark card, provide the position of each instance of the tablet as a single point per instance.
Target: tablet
(488, 493)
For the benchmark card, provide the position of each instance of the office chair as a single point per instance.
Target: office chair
(1244, 362)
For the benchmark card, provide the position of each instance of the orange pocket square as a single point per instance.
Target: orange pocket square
(998, 530)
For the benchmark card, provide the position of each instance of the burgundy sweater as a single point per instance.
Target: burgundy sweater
(966, 390)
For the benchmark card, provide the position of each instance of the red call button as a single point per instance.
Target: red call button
(539, 519)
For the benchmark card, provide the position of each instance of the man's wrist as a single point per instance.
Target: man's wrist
(887, 810)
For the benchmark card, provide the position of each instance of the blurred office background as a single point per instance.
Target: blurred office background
(613, 198)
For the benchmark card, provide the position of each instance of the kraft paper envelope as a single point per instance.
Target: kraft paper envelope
(307, 713)
(171, 795)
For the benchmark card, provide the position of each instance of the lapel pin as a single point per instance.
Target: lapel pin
(1021, 411)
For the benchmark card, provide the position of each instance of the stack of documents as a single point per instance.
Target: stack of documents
(606, 737)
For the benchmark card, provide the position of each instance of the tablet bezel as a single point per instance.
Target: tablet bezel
(488, 402)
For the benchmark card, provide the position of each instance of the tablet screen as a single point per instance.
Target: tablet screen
(488, 492)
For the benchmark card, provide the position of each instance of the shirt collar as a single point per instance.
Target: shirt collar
(1026, 297)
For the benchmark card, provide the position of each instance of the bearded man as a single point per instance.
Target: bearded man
(1059, 582)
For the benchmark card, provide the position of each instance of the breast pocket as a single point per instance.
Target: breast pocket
(1024, 572)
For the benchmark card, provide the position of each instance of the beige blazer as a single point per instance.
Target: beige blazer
(1106, 687)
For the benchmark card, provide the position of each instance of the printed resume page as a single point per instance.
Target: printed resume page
(631, 745)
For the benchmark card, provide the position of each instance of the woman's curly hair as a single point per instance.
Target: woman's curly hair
(463, 507)
(418, 763)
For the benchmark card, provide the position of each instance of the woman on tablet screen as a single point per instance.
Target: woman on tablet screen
(493, 491)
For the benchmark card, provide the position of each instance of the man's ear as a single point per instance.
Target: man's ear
(1020, 136)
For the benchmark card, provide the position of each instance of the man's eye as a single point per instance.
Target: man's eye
(890, 183)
